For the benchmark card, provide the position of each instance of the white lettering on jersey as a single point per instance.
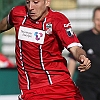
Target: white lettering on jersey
(67, 25)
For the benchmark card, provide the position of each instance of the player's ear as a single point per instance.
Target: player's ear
(48, 2)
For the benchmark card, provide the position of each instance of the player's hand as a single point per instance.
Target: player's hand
(85, 63)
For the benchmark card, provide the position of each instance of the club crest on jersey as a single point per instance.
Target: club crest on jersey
(69, 32)
(48, 28)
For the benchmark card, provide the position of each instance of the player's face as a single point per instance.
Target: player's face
(96, 21)
(37, 9)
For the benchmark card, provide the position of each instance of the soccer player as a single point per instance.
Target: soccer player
(41, 35)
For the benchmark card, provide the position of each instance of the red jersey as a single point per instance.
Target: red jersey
(39, 47)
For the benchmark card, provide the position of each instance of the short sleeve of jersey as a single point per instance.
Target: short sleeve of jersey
(65, 33)
(16, 15)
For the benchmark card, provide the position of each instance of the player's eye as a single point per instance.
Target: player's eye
(27, 2)
(35, 2)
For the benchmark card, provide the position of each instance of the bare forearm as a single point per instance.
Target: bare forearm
(71, 66)
(80, 55)
(77, 52)
(4, 26)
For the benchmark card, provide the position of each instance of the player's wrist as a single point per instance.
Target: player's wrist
(81, 58)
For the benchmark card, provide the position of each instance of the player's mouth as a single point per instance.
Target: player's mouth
(31, 14)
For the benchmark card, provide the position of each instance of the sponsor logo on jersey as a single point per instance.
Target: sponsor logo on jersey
(31, 35)
(38, 35)
(48, 28)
